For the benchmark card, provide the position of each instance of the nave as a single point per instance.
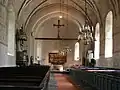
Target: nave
(86, 78)
(63, 82)
(77, 37)
(42, 78)
(19, 78)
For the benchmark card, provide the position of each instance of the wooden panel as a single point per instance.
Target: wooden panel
(56, 39)
(56, 58)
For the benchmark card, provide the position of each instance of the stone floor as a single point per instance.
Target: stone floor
(52, 85)
(64, 83)
(60, 82)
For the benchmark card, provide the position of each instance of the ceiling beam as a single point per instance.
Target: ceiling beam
(56, 39)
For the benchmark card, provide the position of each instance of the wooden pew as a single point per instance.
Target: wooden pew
(24, 78)
(100, 80)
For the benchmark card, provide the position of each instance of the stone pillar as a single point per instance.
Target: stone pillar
(81, 51)
(3, 34)
(11, 36)
(5, 13)
(31, 46)
(35, 50)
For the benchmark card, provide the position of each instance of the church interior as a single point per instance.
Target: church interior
(59, 44)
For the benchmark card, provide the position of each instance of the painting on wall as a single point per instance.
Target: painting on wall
(57, 59)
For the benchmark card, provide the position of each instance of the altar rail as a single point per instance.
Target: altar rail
(101, 81)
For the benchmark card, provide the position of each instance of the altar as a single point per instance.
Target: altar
(57, 61)
(57, 68)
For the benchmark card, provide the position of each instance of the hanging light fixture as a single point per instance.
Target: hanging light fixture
(58, 43)
(60, 16)
(86, 31)
(65, 49)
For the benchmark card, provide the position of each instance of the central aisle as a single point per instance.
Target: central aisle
(63, 82)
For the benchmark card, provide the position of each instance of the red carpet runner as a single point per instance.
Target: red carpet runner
(64, 83)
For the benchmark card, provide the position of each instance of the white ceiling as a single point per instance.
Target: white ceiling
(27, 8)
(33, 13)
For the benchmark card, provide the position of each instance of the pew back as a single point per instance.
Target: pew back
(35, 77)
(100, 81)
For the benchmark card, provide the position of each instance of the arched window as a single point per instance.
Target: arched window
(39, 48)
(11, 31)
(76, 54)
(97, 42)
(108, 35)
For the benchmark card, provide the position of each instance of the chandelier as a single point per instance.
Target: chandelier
(65, 50)
(86, 33)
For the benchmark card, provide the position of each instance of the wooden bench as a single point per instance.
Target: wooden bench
(24, 78)
(104, 80)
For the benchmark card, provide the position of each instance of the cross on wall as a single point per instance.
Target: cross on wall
(58, 26)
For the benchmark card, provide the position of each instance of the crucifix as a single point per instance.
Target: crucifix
(58, 26)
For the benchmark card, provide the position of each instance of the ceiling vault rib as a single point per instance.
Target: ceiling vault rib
(29, 1)
(33, 11)
(114, 8)
(56, 38)
(91, 3)
(21, 8)
(118, 1)
(98, 11)
(76, 21)
(83, 13)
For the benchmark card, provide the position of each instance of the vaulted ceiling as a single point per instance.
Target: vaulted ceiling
(33, 13)
(27, 10)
